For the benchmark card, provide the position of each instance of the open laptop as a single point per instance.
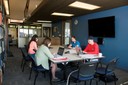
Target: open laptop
(60, 52)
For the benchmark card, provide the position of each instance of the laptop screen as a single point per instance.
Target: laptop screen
(60, 51)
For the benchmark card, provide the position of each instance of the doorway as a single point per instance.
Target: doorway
(46, 31)
(66, 32)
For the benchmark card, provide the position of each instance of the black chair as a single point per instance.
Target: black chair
(37, 69)
(106, 73)
(84, 73)
(26, 47)
(25, 58)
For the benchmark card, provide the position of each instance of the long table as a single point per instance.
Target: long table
(72, 56)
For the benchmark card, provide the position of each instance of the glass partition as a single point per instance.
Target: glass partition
(23, 32)
(29, 31)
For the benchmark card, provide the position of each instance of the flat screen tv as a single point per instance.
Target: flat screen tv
(102, 27)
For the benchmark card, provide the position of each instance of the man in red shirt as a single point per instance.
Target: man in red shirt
(92, 47)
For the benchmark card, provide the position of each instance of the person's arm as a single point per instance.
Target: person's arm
(70, 46)
(86, 49)
(96, 50)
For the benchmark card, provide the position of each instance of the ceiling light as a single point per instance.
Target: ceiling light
(16, 21)
(43, 21)
(6, 6)
(82, 5)
(36, 5)
(62, 14)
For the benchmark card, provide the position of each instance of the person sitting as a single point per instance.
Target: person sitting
(92, 47)
(43, 55)
(74, 43)
(32, 45)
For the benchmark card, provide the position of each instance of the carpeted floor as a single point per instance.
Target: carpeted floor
(14, 76)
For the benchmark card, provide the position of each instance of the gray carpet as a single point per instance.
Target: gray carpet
(14, 76)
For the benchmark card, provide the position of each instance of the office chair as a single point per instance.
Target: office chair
(37, 69)
(25, 58)
(106, 73)
(85, 72)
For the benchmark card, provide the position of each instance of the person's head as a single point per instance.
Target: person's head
(34, 38)
(73, 39)
(91, 40)
(47, 41)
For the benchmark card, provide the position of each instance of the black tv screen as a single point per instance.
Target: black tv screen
(102, 27)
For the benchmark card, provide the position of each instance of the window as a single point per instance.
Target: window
(23, 32)
(32, 32)
(29, 31)
(67, 33)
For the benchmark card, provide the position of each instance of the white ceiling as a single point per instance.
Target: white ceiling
(17, 8)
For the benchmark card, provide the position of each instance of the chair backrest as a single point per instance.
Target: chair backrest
(26, 47)
(87, 69)
(112, 64)
(32, 56)
(24, 52)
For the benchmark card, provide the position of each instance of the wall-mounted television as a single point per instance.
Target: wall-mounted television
(102, 27)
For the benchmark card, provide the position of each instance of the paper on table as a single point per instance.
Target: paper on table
(87, 56)
(60, 58)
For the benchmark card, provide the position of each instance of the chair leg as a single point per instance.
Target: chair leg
(36, 78)
(97, 82)
(115, 82)
(44, 72)
(23, 66)
(77, 82)
(22, 62)
(105, 83)
(114, 79)
(85, 83)
(30, 73)
(50, 77)
(90, 81)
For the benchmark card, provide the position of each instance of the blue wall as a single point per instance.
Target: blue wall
(112, 47)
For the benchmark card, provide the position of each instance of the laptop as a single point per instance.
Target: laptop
(60, 52)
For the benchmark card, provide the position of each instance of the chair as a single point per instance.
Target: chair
(37, 69)
(107, 72)
(85, 73)
(26, 47)
(25, 58)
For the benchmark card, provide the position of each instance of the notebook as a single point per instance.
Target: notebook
(60, 52)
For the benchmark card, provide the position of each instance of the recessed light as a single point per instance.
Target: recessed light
(43, 21)
(82, 5)
(6, 6)
(17, 21)
(62, 14)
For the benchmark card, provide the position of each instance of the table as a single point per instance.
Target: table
(71, 57)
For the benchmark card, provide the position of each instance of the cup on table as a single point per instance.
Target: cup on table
(100, 55)
(77, 50)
